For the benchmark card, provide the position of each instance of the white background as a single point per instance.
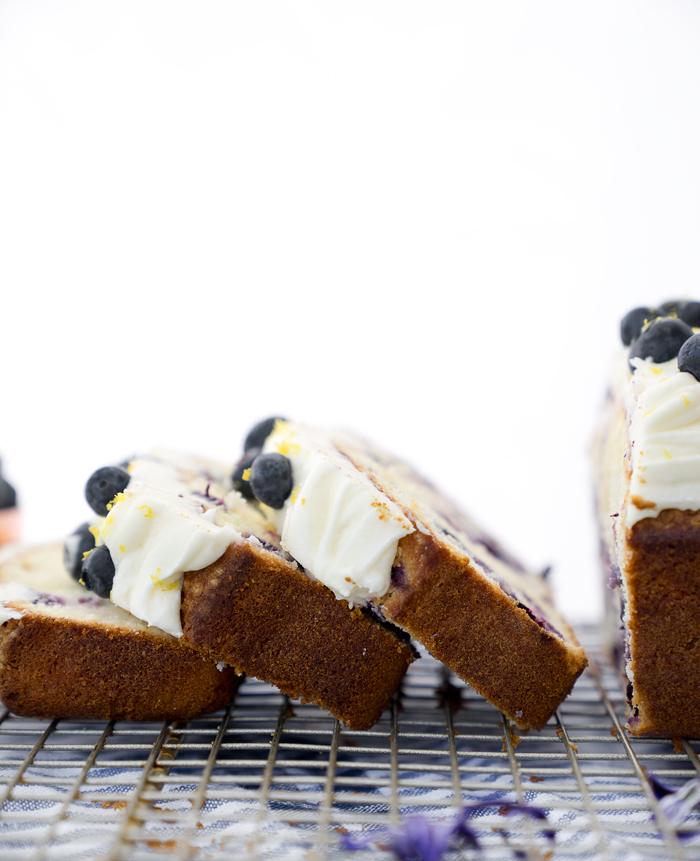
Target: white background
(420, 221)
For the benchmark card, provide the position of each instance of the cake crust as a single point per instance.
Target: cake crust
(472, 626)
(59, 668)
(663, 595)
(267, 619)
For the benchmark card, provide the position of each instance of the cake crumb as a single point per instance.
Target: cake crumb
(677, 744)
(516, 739)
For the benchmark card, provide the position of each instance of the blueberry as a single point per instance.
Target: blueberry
(260, 433)
(689, 312)
(633, 322)
(689, 357)
(103, 485)
(8, 497)
(669, 309)
(76, 546)
(662, 340)
(271, 479)
(98, 571)
(241, 484)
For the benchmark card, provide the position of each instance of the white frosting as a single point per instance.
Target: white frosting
(663, 407)
(155, 531)
(336, 522)
(14, 592)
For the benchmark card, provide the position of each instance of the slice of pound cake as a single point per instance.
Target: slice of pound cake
(647, 461)
(379, 535)
(175, 545)
(66, 653)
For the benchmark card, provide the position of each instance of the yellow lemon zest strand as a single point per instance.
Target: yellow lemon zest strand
(285, 447)
(687, 400)
(246, 474)
(147, 509)
(118, 498)
(669, 456)
(158, 583)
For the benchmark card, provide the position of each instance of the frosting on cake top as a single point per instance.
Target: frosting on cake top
(663, 410)
(336, 522)
(173, 517)
(178, 514)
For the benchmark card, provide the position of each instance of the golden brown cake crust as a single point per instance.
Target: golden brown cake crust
(478, 630)
(269, 620)
(663, 597)
(61, 668)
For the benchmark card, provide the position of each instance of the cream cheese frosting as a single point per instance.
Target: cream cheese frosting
(663, 410)
(336, 523)
(160, 527)
(14, 592)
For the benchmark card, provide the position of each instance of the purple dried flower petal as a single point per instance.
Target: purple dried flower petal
(659, 788)
(420, 839)
(508, 808)
(676, 803)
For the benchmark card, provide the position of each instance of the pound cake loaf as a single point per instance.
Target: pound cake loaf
(65, 653)
(177, 546)
(647, 464)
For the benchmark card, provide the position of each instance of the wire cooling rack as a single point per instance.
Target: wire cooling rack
(267, 778)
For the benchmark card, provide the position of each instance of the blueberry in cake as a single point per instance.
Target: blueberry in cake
(647, 462)
(65, 653)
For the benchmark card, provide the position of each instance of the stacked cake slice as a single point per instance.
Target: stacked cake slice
(312, 563)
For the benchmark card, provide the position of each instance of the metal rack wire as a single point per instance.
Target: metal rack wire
(272, 779)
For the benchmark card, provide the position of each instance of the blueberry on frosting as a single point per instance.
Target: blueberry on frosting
(661, 340)
(689, 357)
(689, 312)
(669, 309)
(633, 322)
(260, 433)
(98, 571)
(240, 477)
(77, 544)
(271, 479)
(103, 485)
